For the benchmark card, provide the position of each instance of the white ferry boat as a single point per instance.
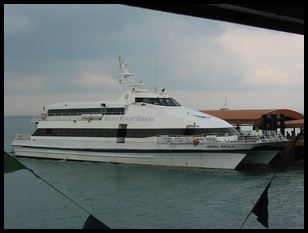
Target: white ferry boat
(143, 127)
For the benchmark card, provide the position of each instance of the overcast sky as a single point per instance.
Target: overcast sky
(59, 53)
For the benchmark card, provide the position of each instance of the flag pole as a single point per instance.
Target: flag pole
(12, 164)
(282, 154)
(266, 189)
(246, 219)
(284, 157)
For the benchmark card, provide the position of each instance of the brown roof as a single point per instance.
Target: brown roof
(252, 116)
(295, 123)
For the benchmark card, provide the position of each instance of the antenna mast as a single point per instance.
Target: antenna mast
(126, 78)
(155, 88)
(225, 107)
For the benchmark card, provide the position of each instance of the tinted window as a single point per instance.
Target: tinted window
(132, 133)
(158, 101)
(79, 111)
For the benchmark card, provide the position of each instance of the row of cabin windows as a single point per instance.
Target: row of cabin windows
(112, 111)
(157, 101)
(79, 111)
(131, 133)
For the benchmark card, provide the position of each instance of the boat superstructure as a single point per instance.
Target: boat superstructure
(143, 127)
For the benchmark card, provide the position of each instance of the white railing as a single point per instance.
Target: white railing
(73, 116)
(264, 136)
(245, 138)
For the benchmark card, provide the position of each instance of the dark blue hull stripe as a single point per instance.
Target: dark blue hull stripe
(129, 132)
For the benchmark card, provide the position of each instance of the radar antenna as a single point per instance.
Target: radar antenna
(127, 79)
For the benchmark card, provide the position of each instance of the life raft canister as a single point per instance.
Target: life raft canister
(195, 141)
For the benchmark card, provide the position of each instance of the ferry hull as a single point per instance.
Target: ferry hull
(260, 157)
(264, 154)
(150, 151)
(216, 160)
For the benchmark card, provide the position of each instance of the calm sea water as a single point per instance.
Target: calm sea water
(136, 196)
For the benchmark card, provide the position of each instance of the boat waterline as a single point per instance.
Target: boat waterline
(220, 160)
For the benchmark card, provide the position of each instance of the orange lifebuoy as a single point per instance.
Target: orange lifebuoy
(195, 141)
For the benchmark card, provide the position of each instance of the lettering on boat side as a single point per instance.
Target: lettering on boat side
(220, 146)
(128, 118)
(212, 146)
(227, 146)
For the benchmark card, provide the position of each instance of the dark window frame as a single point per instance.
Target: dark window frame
(170, 102)
(132, 133)
(79, 111)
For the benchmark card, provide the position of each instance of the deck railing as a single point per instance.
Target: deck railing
(72, 116)
(251, 137)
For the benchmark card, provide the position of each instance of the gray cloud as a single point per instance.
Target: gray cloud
(72, 50)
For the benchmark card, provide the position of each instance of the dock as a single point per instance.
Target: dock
(290, 123)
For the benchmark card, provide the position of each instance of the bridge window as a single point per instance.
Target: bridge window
(157, 101)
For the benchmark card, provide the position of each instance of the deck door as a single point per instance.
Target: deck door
(122, 130)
